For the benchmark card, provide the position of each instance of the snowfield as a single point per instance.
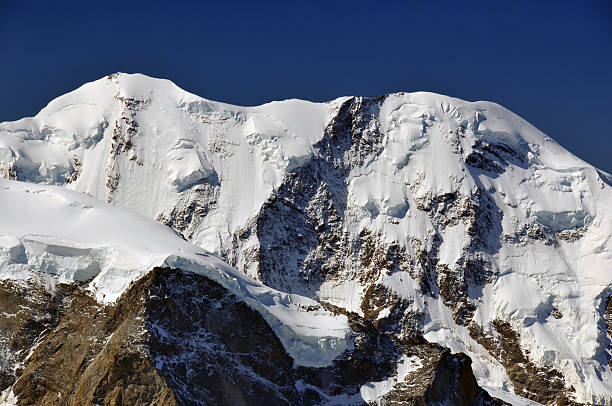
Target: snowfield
(54, 231)
(149, 147)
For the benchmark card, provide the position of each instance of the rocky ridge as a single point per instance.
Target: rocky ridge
(176, 338)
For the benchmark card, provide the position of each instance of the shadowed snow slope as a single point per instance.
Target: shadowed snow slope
(425, 214)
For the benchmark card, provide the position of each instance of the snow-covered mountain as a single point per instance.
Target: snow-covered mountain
(420, 215)
(97, 303)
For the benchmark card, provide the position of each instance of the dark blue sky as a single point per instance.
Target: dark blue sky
(550, 62)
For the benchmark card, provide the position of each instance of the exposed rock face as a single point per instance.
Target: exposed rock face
(539, 383)
(124, 130)
(192, 206)
(450, 381)
(95, 355)
(496, 156)
(608, 319)
(312, 239)
(177, 338)
(29, 311)
(438, 378)
(211, 348)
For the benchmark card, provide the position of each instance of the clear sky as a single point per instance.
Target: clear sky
(548, 61)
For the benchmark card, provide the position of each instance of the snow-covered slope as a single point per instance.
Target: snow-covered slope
(427, 214)
(49, 230)
(96, 136)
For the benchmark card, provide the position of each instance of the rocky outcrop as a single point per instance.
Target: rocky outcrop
(438, 377)
(211, 348)
(122, 140)
(446, 379)
(307, 247)
(95, 355)
(28, 312)
(191, 207)
(176, 338)
(495, 156)
(608, 319)
(539, 383)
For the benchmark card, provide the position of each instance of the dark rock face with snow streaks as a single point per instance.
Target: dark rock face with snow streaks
(180, 338)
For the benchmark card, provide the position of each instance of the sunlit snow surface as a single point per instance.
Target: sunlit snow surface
(77, 238)
(182, 140)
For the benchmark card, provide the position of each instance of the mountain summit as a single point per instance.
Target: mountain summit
(411, 247)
